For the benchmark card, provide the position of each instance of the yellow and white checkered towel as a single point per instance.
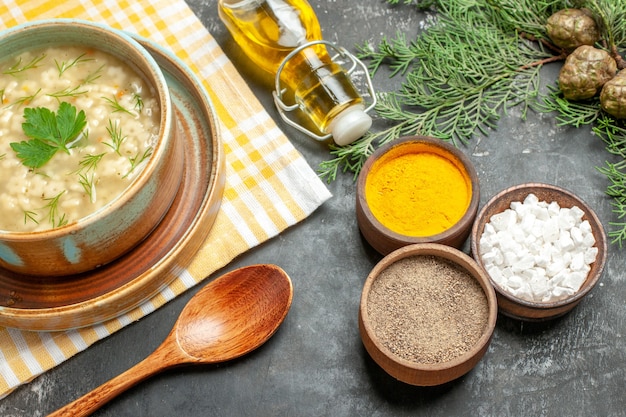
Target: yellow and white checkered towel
(265, 175)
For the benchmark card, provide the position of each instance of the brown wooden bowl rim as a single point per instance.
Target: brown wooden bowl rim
(451, 232)
(597, 229)
(460, 259)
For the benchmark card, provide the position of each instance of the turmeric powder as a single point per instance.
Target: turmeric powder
(418, 190)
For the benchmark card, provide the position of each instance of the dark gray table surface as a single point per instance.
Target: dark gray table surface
(315, 365)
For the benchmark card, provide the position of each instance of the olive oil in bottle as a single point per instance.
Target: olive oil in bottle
(283, 37)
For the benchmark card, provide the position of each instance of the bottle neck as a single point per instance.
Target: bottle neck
(268, 30)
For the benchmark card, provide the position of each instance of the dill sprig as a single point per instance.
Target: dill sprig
(116, 106)
(86, 174)
(93, 76)
(54, 215)
(87, 181)
(68, 92)
(30, 216)
(138, 102)
(65, 65)
(117, 137)
(25, 100)
(89, 162)
(18, 67)
(136, 160)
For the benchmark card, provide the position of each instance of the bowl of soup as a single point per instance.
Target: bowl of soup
(89, 153)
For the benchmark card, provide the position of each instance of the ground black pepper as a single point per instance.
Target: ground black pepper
(427, 310)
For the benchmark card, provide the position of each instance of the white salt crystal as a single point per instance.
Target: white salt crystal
(540, 288)
(490, 257)
(508, 244)
(488, 230)
(577, 235)
(516, 282)
(510, 258)
(566, 219)
(530, 241)
(577, 213)
(524, 292)
(517, 234)
(585, 227)
(541, 213)
(486, 244)
(588, 239)
(526, 262)
(553, 209)
(542, 260)
(504, 220)
(590, 255)
(551, 230)
(559, 293)
(555, 267)
(527, 222)
(574, 280)
(558, 278)
(566, 243)
(565, 258)
(578, 262)
(540, 272)
(531, 199)
(507, 272)
(520, 208)
(496, 274)
(537, 230)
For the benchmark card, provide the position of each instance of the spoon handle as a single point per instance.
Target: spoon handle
(159, 360)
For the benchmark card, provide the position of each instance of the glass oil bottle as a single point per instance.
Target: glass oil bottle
(284, 38)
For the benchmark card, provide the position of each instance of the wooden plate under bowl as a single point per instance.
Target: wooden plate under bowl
(61, 303)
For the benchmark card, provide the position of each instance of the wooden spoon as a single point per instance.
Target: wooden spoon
(229, 317)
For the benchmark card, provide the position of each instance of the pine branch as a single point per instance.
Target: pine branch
(479, 59)
(459, 77)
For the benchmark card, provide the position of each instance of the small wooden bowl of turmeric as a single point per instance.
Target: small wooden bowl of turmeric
(416, 189)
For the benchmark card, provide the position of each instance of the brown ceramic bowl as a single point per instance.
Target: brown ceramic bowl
(516, 307)
(412, 371)
(113, 230)
(384, 239)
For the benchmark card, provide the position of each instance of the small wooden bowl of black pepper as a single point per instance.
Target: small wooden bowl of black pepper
(427, 314)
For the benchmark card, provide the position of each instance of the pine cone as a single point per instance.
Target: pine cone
(613, 96)
(571, 28)
(585, 71)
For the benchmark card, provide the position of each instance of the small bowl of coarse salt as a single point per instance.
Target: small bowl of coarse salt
(427, 314)
(543, 248)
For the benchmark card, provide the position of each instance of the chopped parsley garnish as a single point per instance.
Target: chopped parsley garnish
(48, 133)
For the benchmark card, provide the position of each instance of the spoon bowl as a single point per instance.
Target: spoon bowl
(228, 318)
